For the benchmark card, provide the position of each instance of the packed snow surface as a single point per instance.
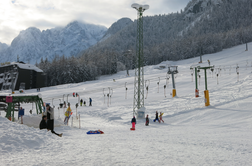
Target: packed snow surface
(192, 134)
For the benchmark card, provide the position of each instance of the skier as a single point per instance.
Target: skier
(84, 103)
(208, 62)
(90, 102)
(161, 117)
(147, 121)
(73, 94)
(156, 117)
(50, 120)
(67, 114)
(133, 122)
(81, 101)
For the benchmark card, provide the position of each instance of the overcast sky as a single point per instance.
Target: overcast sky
(17, 15)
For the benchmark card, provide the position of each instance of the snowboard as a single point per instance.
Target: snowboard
(161, 115)
(132, 128)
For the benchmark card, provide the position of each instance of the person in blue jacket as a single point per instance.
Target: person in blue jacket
(90, 102)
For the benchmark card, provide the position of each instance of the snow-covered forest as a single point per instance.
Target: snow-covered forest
(203, 27)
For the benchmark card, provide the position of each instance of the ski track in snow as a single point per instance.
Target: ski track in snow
(191, 135)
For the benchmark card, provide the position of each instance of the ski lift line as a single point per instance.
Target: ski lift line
(245, 63)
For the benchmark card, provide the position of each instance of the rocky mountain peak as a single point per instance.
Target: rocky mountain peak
(32, 44)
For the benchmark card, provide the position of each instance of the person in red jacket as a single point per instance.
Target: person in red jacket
(147, 121)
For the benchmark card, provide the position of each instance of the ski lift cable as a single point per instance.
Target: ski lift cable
(156, 77)
(152, 78)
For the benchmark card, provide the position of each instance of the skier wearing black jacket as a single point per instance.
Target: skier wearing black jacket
(156, 117)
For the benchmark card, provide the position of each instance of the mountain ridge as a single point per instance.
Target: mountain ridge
(32, 44)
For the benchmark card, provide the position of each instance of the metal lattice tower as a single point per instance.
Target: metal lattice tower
(139, 60)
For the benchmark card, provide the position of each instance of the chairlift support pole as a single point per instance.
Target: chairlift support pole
(206, 92)
(196, 82)
(173, 70)
(108, 96)
(104, 95)
(63, 104)
(111, 95)
(67, 98)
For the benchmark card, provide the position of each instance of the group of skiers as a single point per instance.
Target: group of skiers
(147, 120)
(81, 101)
(47, 121)
(84, 102)
(69, 112)
(160, 119)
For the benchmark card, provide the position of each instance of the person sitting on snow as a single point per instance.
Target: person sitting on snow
(43, 124)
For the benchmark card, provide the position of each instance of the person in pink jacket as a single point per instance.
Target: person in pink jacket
(133, 121)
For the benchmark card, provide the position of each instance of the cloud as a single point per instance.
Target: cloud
(17, 15)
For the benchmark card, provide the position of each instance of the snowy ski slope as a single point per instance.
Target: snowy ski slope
(191, 135)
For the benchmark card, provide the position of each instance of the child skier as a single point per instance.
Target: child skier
(147, 121)
(161, 117)
(67, 114)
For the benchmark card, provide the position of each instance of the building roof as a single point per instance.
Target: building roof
(25, 66)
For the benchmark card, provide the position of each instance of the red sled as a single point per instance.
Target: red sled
(132, 128)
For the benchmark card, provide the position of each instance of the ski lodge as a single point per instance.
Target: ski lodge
(18, 75)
